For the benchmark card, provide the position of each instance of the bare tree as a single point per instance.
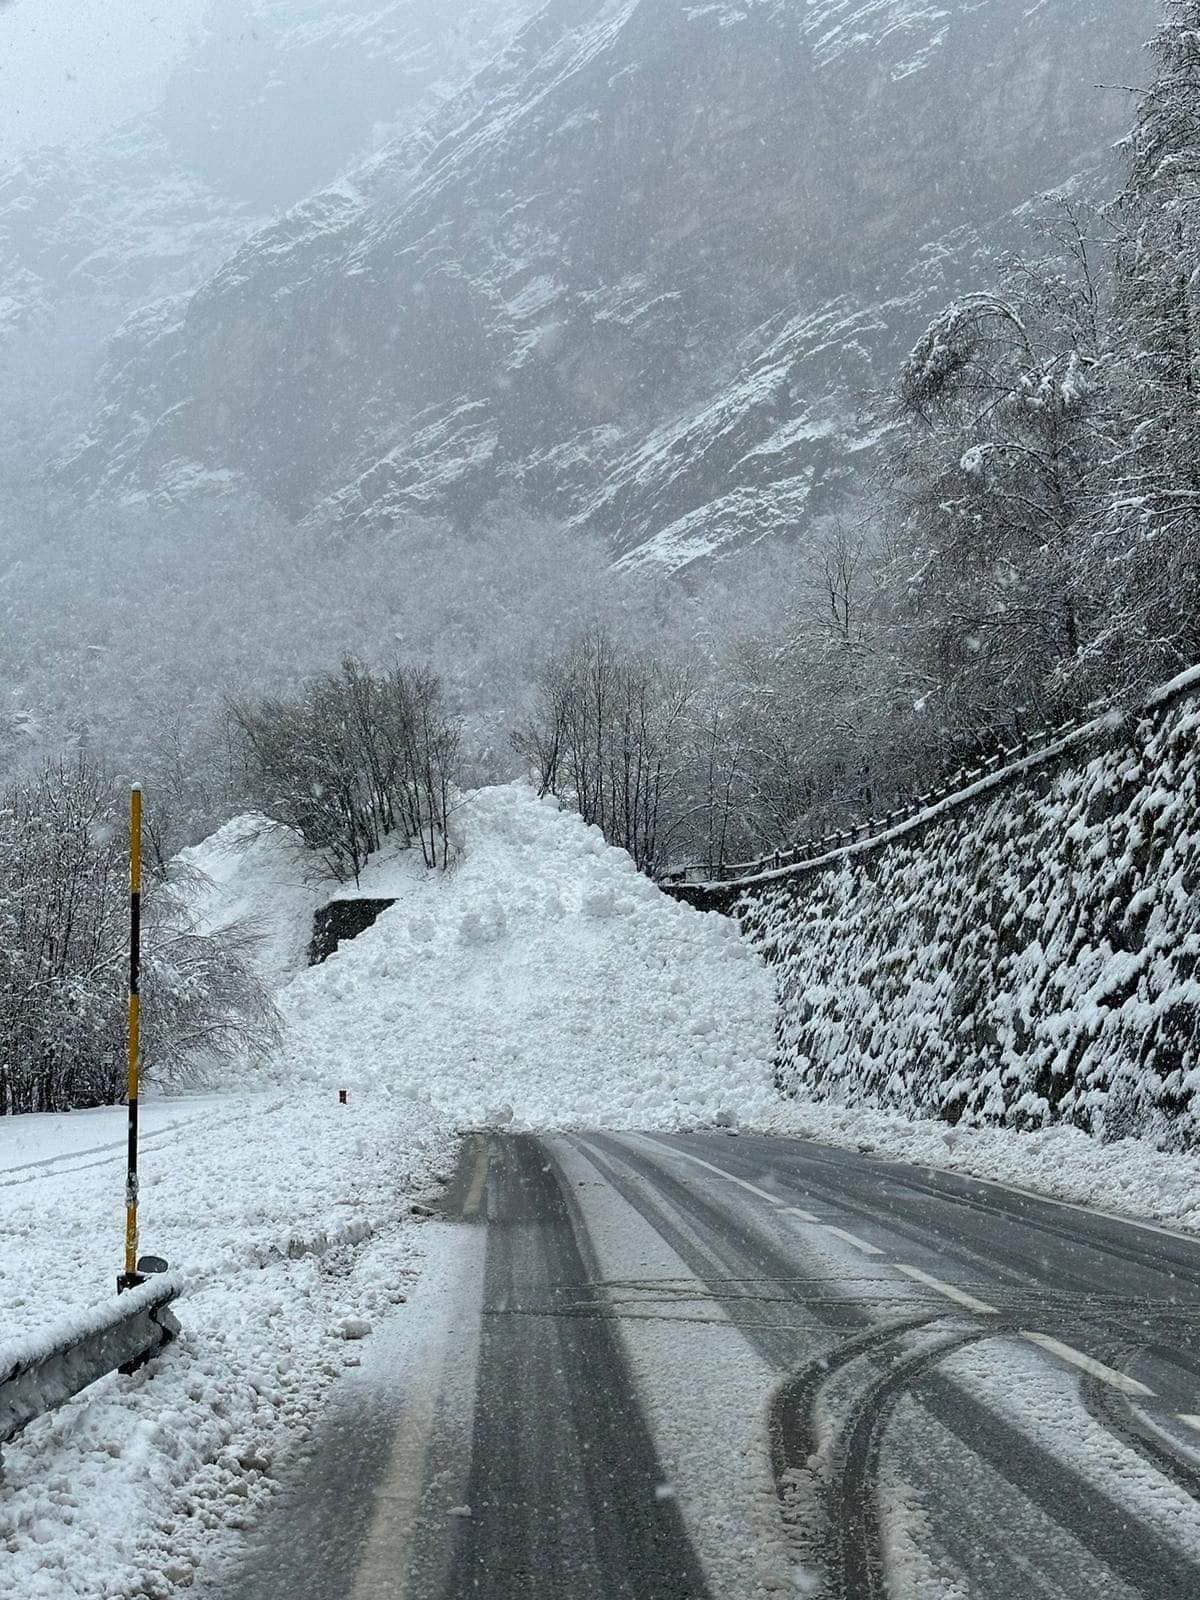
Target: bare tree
(609, 732)
(361, 757)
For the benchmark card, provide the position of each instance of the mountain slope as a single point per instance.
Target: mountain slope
(270, 102)
(634, 277)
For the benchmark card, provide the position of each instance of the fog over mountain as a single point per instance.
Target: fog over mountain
(632, 276)
(263, 104)
(74, 67)
(495, 297)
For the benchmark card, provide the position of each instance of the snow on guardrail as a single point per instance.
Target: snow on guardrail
(44, 1370)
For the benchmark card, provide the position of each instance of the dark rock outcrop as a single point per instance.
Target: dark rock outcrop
(342, 920)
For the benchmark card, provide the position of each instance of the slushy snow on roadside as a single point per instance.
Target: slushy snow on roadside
(289, 1218)
(1128, 1177)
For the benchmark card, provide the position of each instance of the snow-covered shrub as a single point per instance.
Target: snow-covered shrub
(205, 1002)
(64, 939)
(1147, 526)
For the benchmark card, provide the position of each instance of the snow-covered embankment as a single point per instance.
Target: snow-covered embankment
(1028, 957)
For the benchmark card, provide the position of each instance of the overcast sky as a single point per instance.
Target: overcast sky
(72, 68)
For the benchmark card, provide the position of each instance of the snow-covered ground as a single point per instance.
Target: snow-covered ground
(257, 873)
(541, 983)
(545, 982)
(287, 1214)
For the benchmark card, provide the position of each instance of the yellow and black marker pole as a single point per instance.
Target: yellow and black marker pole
(131, 1277)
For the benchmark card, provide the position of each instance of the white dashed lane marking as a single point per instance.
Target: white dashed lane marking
(791, 1211)
(1096, 1369)
(742, 1183)
(960, 1296)
(852, 1238)
(1054, 1347)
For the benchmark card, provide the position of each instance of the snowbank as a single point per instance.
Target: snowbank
(544, 981)
(257, 873)
(288, 1217)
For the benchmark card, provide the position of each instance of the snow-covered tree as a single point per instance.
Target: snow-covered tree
(1002, 403)
(1148, 512)
(608, 732)
(358, 758)
(64, 926)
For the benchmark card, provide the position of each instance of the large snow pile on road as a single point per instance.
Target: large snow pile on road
(543, 979)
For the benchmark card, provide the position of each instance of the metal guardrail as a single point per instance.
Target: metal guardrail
(45, 1370)
(1043, 742)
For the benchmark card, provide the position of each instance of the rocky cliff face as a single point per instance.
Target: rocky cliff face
(634, 277)
(274, 100)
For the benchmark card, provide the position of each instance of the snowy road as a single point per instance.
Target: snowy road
(704, 1366)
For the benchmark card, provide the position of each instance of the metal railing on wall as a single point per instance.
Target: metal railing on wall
(964, 785)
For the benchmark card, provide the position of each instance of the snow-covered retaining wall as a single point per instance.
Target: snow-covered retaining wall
(340, 921)
(1026, 953)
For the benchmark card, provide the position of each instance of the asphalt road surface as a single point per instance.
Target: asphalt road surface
(655, 1368)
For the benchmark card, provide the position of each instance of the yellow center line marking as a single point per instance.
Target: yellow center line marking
(1096, 1369)
(948, 1289)
(475, 1192)
(383, 1568)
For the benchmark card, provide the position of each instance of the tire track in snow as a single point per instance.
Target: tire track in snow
(1117, 1413)
(153, 1138)
(1146, 1563)
(562, 1495)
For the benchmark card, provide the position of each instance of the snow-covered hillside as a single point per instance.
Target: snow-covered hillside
(113, 222)
(542, 983)
(635, 276)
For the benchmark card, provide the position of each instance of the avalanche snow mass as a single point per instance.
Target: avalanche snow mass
(543, 982)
